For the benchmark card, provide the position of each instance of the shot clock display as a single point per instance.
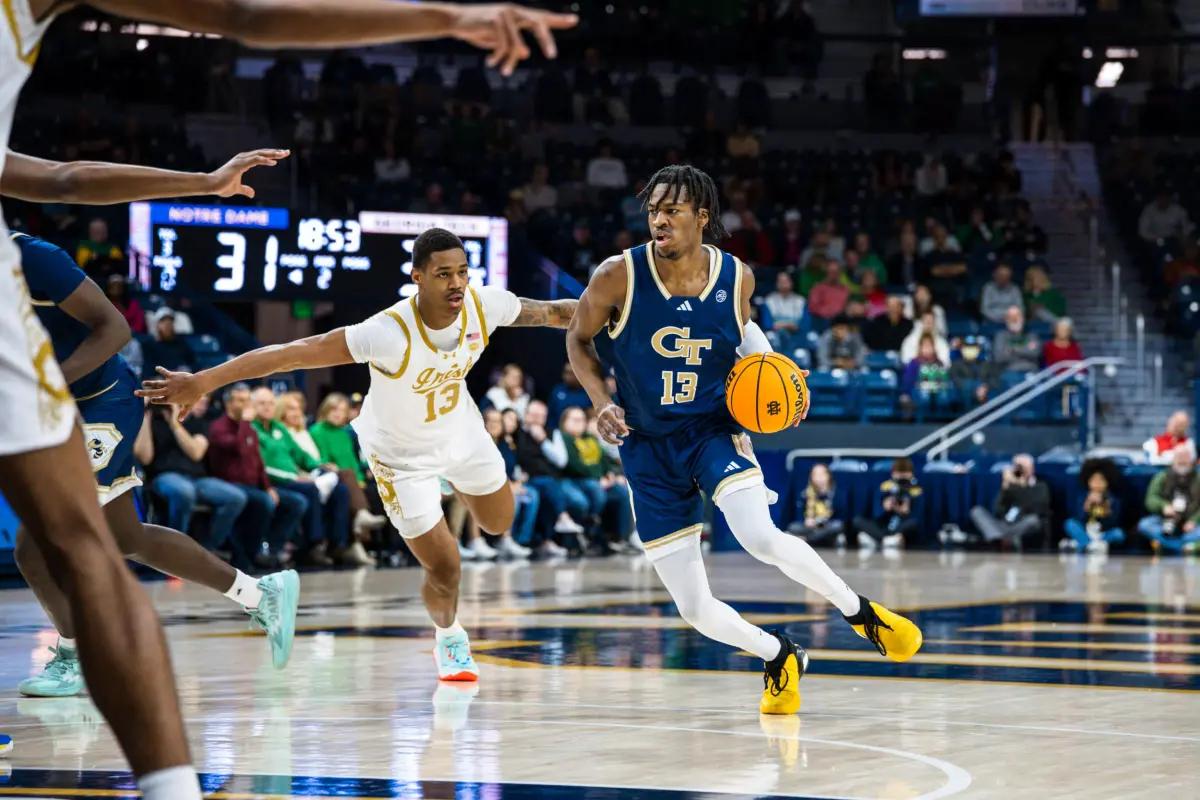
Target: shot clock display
(245, 253)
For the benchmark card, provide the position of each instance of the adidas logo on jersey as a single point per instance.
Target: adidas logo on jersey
(686, 305)
(732, 466)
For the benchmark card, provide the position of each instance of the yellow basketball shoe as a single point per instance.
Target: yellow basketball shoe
(894, 636)
(781, 678)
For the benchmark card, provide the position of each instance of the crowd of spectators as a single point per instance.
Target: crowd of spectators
(281, 487)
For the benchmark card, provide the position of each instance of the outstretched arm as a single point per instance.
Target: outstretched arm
(497, 27)
(101, 183)
(184, 389)
(544, 313)
(602, 299)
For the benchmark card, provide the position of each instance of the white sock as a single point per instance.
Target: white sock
(245, 591)
(749, 518)
(682, 572)
(454, 630)
(176, 783)
(67, 644)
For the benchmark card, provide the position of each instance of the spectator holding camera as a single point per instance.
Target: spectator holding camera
(1097, 521)
(1022, 507)
(1173, 500)
(173, 453)
(895, 524)
(819, 524)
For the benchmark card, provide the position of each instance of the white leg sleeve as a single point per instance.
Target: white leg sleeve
(682, 572)
(746, 511)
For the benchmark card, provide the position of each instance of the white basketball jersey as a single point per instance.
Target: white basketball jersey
(20, 36)
(422, 403)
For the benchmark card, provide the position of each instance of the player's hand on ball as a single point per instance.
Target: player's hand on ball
(500, 27)
(610, 423)
(179, 389)
(227, 180)
(807, 402)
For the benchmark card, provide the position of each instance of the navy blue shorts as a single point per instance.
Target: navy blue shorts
(667, 475)
(111, 421)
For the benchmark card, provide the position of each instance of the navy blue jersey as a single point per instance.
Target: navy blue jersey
(52, 275)
(671, 355)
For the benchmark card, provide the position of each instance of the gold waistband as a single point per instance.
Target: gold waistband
(94, 395)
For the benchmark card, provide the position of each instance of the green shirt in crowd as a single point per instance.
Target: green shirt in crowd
(1051, 300)
(283, 458)
(585, 457)
(337, 447)
(872, 262)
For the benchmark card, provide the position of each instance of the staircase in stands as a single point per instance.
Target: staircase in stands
(1131, 410)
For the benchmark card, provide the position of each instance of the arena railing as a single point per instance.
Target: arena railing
(941, 440)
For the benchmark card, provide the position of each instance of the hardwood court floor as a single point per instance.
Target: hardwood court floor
(1041, 677)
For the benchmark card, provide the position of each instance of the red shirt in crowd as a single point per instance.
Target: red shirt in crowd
(133, 314)
(1166, 442)
(827, 300)
(233, 453)
(1053, 353)
(751, 245)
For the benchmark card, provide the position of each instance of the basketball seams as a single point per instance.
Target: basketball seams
(757, 392)
(792, 391)
(792, 367)
(732, 393)
(782, 382)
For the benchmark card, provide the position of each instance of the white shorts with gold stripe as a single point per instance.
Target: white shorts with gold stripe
(36, 408)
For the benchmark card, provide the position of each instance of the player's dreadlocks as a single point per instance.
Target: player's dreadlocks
(700, 190)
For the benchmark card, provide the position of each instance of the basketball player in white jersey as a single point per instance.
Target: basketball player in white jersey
(44, 471)
(417, 424)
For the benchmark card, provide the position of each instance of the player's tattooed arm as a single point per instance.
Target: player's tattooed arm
(545, 313)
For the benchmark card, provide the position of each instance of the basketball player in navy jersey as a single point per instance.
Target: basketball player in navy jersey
(677, 314)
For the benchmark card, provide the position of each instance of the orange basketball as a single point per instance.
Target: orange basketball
(765, 392)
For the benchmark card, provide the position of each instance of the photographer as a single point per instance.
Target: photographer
(1022, 507)
(897, 521)
(173, 453)
(1173, 500)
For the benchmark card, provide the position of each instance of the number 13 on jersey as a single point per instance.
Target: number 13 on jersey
(678, 387)
(441, 401)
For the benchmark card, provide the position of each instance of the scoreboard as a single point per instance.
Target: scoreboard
(250, 253)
